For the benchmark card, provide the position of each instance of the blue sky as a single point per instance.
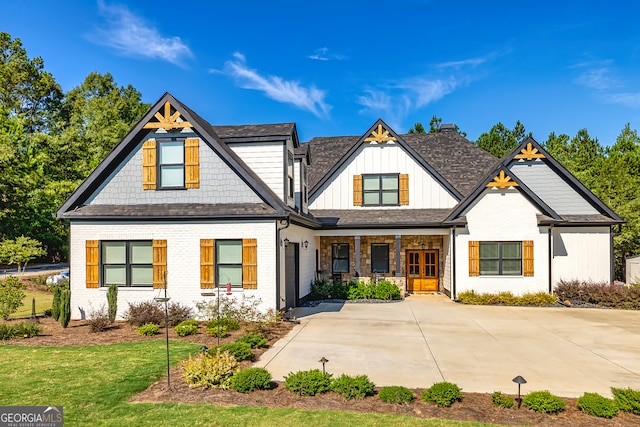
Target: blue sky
(334, 67)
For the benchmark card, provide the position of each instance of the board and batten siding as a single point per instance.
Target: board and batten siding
(551, 188)
(218, 183)
(424, 191)
(307, 259)
(581, 253)
(502, 215)
(183, 261)
(268, 161)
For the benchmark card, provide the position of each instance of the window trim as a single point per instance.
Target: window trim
(387, 257)
(333, 258)
(128, 264)
(500, 258)
(380, 191)
(290, 181)
(217, 264)
(160, 165)
(305, 183)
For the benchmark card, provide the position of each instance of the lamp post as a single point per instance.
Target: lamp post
(165, 300)
(519, 380)
(323, 361)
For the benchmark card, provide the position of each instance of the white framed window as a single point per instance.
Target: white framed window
(171, 164)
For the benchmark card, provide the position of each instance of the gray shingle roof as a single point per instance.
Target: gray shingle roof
(458, 160)
(393, 218)
(173, 210)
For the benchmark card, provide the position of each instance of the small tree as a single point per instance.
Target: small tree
(65, 307)
(11, 296)
(112, 299)
(55, 304)
(20, 251)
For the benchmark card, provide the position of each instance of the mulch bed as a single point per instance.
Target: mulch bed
(474, 406)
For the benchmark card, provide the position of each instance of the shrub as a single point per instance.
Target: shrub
(65, 307)
(251, 379)
(148, 329)
(628, 400)
(308, 383)
(217, 331)
(543, 401)
(11, 296)
(353, 387)
(325, 289)
(230, 323)
(184, 329)
(442, 394)
(254, 340)
(112, 300)
(210, 370)
(240, 350)
(193, 322)
(141, 313)
(501, 400)
(98, 320)
(55, 304)
(178, 313)
(396, 394)
(615, 295)
(241, 310)
(386, 290)
(599, 406)
(506, 298)
(22, 329)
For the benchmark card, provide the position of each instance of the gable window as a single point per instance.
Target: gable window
(378, 190)
(379, 258)
(500, 258)
(290, 188)
(340, 258)
(171, 164)
(127, 263)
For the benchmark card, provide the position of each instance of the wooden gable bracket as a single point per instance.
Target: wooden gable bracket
(502, 181)
(168, 121)
(529, 153)
(380, 136)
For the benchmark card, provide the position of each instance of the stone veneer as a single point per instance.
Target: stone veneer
(406, 242)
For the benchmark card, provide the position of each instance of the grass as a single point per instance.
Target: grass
(94, 384)
(43, 302)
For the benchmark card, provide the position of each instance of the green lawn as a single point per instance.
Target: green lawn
(43, 302)
(94, 384)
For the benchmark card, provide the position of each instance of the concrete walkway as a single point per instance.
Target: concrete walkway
(428, 339)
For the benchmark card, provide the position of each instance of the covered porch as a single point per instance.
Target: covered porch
(417, 261)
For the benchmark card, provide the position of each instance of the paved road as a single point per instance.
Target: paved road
(427, 339)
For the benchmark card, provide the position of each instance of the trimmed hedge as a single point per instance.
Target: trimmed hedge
(396, 394)
(506, 298)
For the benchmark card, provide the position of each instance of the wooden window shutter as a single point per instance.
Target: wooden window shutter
(249, 264)
(191, 163)
(159, 264)
(357, 190)
(207, 264)
(404, 189)
(527, 258)
(149, 165)
(92, 263)
(474, 258)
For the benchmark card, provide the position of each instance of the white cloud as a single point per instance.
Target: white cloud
(628, 99)
(132, 36)
(287, 91)
(602, 77)
(599, 78)
(323, 54)
(459, 64)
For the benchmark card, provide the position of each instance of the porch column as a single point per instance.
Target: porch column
(357, 255)
(398, 266)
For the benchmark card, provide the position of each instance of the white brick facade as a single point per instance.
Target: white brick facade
(183, 260)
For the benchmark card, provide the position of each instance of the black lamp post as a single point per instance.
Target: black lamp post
(519, 380)
(165, 300)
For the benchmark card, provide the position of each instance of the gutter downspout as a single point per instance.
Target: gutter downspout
(453, 263)
(550, 258)
(285, 222)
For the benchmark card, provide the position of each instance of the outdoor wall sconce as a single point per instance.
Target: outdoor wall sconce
(323, 361)
(519, 380)
(423, 246)
(285, 243)
(305, 244)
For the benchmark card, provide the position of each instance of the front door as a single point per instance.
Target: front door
(422, 270)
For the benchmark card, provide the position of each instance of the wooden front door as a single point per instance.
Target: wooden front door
(422, 270)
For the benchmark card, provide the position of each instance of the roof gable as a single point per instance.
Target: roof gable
(378, 133)
(169, 113)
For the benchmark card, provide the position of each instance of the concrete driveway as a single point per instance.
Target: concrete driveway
(427, 339)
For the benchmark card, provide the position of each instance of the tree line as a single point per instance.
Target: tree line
(51, 140)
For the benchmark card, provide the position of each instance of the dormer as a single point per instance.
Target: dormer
(302, 160)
